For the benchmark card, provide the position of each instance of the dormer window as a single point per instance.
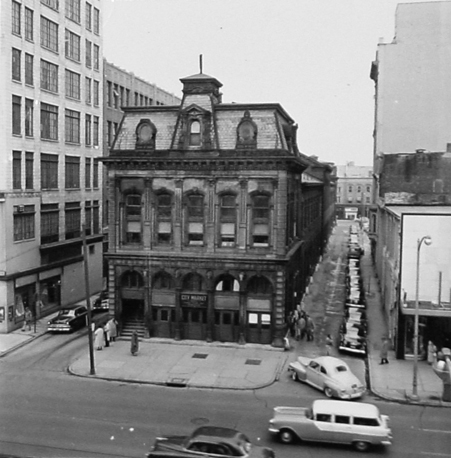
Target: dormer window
(194, 133)
(145, 134)
(246, 132)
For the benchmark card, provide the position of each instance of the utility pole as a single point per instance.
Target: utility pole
(88, 301)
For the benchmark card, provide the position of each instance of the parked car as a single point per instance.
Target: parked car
(69, 319)
(328, 374)
(340, 422)
(207, 441)
(351, 341)
(101, 303)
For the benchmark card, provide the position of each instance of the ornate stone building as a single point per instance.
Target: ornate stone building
(207, 218)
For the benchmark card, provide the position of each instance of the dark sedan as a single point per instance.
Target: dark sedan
(69, 319)
(207, 441)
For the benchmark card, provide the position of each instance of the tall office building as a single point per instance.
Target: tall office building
(50, 179)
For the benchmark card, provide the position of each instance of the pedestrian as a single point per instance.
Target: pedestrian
(432, 349)
(384, 351)
(106, 330)
(329, 344)
(112, 324)
(99, 338)
(310, 328)
(27, 319)
(302, 322)
(134, 348)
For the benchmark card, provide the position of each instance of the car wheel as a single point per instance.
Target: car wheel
(328, 392)
(294, 376)
(361, 446)
(286, 436)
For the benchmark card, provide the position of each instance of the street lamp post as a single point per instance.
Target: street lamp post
(427, 240)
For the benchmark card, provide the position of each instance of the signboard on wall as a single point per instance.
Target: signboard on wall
(194, 300)
(434, 284)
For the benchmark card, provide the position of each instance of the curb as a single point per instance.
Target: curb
(20, 345)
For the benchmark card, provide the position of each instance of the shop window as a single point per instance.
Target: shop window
(227, 220)
(260, 220)
(133, 218)
(194, 133)
(164, 214)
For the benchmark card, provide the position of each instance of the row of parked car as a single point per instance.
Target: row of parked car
(354, 326)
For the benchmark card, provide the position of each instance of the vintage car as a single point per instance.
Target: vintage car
(351, 340)
(207, 441)
(101, 303)
(328, 374)
(69, 319)
(342, 422)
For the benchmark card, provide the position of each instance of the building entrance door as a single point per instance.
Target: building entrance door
(258, 327)
(227, 323)
(163, 321)
(194, 323)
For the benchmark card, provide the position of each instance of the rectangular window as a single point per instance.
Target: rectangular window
(29, 117)
(51, 3)
(72, 126)
(88, 90)
(96, 217)
(49, 34)
(72, 46)
(72, 85)
(49, 121)
(88, 218)
(15, 13)
(88, 173)
(96, 21)
(17, 170)
(49, 171)
(88, 14)
(96, 93)
(109, 133)
(96, 57)
(49, 76)
(109, 91)
(95, 131)
(116, 96)
(127, 97)
(16, 114)
(88, 53)
(49, 223)
(29, 74)
(29, 172)
(72, 215)
(23, 222)
(73, 10)
(95, 176)
(16, 64)
(72, 172)
(29, 25)
(121, 95)
(88, 130)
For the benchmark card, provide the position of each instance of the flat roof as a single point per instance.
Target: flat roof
(419, 209)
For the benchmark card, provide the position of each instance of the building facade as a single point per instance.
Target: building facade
(411, 162)
(210, 207)
(354, 190)
(50, 177)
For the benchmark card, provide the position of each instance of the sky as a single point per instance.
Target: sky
(311, 56)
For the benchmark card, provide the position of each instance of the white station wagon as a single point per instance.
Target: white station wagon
(341, 422)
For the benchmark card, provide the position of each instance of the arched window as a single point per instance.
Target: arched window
(260, 220)
(164, 218)
(259, 285)
(133, 218)
(195, 219)
(194, 133)
(132, 279)
(162, 280)
(227, 283)
(193, 282)
(227, 208)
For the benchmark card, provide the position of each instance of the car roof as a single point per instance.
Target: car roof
(330, 361)
(208, 432)
(357, 409)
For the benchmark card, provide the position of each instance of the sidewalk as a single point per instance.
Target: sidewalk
(250, 366)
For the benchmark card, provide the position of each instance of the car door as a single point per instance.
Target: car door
(324, 428)
(343, 429)
(313, 376)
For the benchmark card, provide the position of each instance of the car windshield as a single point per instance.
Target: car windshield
(66, 314)
(341, 368)
(244, 444)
